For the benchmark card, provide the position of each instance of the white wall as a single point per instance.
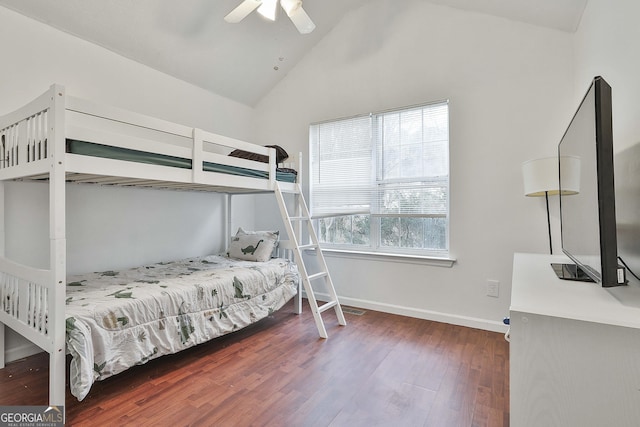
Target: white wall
(606, 42)
(151, 225)
(605, 45)
(510, 87)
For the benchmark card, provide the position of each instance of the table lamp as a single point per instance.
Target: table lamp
(542, 178)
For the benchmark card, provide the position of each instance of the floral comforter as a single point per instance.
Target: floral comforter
(116, 320)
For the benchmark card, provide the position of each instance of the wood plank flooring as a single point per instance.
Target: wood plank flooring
(379, 370)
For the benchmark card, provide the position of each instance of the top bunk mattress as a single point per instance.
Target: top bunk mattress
(117, 153)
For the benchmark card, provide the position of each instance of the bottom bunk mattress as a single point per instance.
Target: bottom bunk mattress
(116, 320)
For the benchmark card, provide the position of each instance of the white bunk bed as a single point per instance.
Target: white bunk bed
(35, 145)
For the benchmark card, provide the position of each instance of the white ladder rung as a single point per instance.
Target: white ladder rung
(299, 218)
(309, 246)
(326, 306)
(317, 275)
(287, 191)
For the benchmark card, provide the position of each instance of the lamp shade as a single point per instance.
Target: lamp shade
(541, 176)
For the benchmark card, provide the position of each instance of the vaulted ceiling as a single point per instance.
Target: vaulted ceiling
(189, 39)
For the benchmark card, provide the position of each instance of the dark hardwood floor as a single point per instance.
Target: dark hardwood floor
(379, 370)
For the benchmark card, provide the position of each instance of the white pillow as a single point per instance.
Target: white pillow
(253, 245)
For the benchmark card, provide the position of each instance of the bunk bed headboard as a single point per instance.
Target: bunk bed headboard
(24, 132)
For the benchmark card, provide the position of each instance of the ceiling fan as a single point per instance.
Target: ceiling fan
(268, 9)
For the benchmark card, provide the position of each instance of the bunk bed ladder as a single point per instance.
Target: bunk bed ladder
(294, 225)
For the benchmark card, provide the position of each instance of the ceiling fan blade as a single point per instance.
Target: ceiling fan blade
(241, 12)
(301, 20)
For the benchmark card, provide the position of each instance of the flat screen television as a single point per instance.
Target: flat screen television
(588, 217)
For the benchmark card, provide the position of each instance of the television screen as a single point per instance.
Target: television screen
(588, 218)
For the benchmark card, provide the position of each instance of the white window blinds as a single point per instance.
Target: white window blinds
(341, 167)
(412, 147)
(390, 164)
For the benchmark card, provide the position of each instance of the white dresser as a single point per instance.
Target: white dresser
(575, 349)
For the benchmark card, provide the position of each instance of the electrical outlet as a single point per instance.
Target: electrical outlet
(493, 288)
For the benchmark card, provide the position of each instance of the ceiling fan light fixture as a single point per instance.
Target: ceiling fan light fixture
(268, 9)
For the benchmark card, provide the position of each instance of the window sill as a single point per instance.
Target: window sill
(405, 258)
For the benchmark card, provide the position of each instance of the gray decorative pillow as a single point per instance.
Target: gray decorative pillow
(253, 245)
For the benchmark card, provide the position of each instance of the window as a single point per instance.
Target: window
(380, 182)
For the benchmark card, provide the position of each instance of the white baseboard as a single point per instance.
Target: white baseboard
(454, 319)
(21, 351)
